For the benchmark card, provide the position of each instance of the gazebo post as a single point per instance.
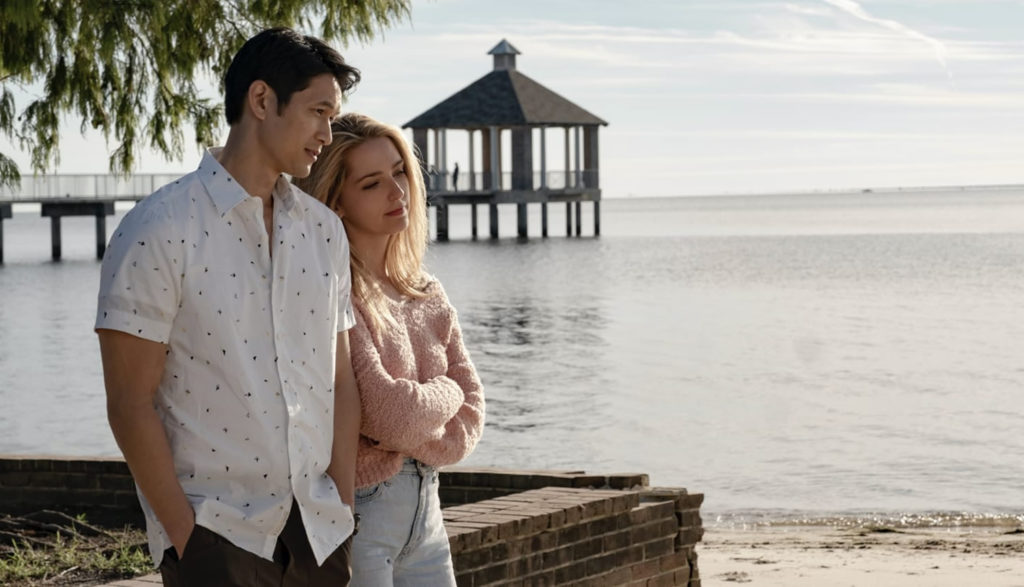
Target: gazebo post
(522, 173)
(568, 171)
(543, 184)
(579, 168)
(435, 169)
(567, 167)
(472, 168)
(495, 176)
(591, 174)
(443, 164)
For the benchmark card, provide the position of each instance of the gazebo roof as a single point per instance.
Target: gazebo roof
(504, 97)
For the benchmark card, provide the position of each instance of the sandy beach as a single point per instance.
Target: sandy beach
(798, 556)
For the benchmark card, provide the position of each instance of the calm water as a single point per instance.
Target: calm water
(840, 353)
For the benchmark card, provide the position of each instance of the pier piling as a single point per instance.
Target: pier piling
(55, 237)
(442, 223)
(101, 235)
(5, 212)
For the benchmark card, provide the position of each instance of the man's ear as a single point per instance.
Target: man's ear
(261, 99)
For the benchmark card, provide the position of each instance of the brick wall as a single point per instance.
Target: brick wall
(558, 536)
(101, 487)
(506, 527)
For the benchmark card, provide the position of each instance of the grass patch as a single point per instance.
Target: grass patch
(62, 559)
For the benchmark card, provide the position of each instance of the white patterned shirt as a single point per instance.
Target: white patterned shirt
(246, 397)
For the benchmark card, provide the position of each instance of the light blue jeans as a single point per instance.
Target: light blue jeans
(401, 540)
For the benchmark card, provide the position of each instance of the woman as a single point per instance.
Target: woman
(423, 405)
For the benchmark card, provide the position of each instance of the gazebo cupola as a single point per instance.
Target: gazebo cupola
(505, 99)
(504, 55)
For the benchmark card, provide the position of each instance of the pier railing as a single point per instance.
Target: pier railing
(41, 188)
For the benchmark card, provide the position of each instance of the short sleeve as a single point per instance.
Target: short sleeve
(140, 283)
(346, 315)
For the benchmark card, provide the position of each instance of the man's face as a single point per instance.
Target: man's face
(295, 136)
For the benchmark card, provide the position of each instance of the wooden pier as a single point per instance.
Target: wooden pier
(77, 195)
(57, 210)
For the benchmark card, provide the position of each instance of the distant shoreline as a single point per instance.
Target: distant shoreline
(838, 191)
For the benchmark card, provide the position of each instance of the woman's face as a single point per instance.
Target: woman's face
(374, 195)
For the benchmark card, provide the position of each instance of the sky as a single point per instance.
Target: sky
(718, 96)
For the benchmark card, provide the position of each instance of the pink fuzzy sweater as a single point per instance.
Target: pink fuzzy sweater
(420, 393)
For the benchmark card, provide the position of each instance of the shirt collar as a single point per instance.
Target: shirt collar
(284, 193)
(227, 193)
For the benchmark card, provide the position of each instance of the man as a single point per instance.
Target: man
(222, 318)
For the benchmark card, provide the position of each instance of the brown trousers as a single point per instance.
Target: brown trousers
(211, 561)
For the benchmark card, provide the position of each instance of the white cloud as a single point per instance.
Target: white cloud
(852, 8)
(778, 46)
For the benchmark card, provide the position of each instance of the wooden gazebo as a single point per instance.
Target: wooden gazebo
(506, 99)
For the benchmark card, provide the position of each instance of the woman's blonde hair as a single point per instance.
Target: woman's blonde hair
(403, 257)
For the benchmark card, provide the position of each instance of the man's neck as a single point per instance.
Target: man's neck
(248, 165)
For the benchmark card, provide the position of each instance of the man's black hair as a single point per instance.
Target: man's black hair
(287, 62)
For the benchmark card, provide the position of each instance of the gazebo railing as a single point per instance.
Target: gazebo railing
(481, 180)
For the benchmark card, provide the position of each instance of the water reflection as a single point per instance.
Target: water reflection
(773, 369)
(53, 394)
(535, 358)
